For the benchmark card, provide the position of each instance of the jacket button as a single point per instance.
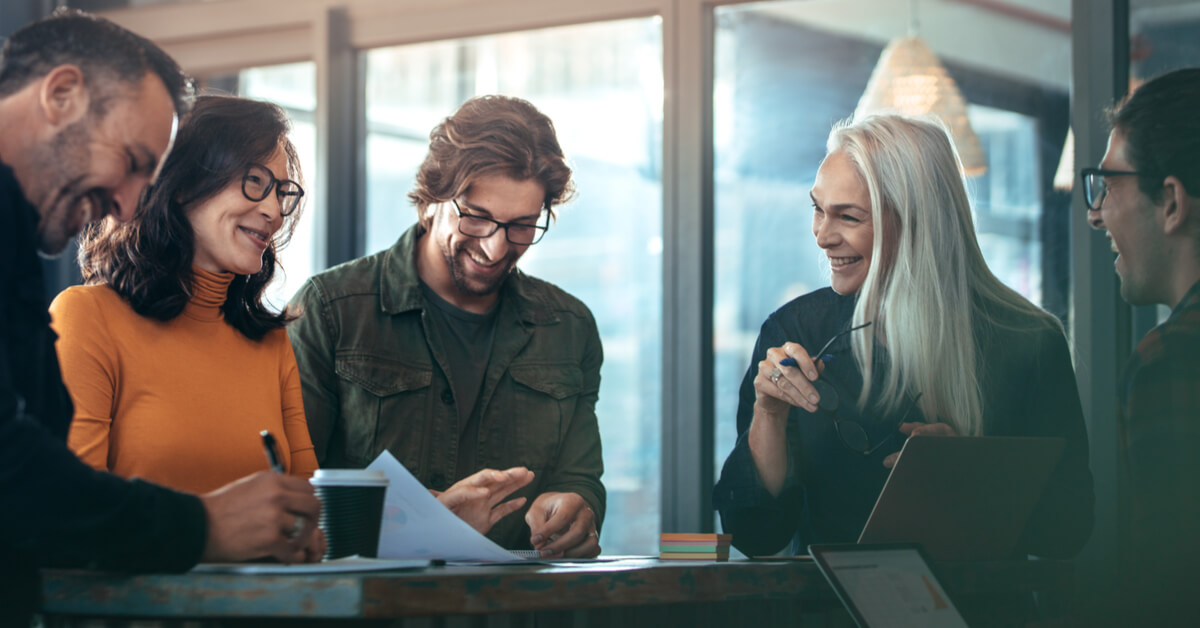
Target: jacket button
(447, 397)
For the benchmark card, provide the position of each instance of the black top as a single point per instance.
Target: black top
(468, 338)
(1029, 390)
(55, 510)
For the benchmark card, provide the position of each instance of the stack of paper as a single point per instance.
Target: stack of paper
(694, 546)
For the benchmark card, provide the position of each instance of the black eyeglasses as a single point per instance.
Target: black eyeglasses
(258, 182)
(515, 232)
(851, 432)
(1094, 187)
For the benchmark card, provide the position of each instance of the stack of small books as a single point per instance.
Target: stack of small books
(673, 546)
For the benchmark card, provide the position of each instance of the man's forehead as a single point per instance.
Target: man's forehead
(1114, 156)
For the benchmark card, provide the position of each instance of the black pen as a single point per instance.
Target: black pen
(269, 446)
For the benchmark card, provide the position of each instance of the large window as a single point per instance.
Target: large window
(786, 71)
(601, 84)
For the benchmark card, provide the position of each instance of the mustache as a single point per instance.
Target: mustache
(509, 258)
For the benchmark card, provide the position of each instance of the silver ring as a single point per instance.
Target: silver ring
(298, 527)
(594, 534)
(774, 376)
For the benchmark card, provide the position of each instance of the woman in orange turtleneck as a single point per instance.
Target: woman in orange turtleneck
(172, 359)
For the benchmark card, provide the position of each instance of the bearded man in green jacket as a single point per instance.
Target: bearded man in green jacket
(442, 352)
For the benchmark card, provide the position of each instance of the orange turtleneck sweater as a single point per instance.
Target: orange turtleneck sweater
(179, 403)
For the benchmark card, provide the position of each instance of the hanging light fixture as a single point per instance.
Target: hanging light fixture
(1064, 175)
(909, 79)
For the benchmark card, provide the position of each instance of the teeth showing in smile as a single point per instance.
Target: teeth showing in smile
(261, 236)
(481, 262)
(843, 261)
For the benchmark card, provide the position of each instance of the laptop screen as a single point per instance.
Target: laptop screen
(887, 585)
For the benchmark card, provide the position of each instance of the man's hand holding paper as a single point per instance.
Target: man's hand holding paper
(562, 524)
(479, 498)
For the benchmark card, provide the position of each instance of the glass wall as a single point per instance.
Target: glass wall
(786, 71)
(602, 85)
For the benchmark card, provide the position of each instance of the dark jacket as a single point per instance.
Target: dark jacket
(1159, 438)
(374, 378)
(1028, 390)
(55, 510)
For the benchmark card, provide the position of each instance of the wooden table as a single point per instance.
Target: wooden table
(626, 593)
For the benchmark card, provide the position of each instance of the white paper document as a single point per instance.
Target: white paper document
(417, 525)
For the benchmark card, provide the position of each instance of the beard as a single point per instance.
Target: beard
(64, 206)
(473, 284)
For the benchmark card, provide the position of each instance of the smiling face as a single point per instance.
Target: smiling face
(842, 221)
(469, 271)
(232, 231)
(1129, 220)
(99, 166)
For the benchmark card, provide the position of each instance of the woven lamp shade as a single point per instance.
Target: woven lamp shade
(910, 80)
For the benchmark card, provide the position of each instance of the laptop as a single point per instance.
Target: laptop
(962, 498)
(887, 585)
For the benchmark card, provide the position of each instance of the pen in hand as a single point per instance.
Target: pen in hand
(269, 446)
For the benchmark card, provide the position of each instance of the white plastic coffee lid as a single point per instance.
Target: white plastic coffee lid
(349, 477)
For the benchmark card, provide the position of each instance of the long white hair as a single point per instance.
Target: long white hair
(928, 291)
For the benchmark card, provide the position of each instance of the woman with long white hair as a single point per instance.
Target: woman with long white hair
(915, 336)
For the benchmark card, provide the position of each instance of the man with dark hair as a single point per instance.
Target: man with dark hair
(441, 351)
(66, 161)
(1146, 197)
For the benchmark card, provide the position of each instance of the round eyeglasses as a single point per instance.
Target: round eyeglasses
(851, 432)
(258, 182)
(519, 233)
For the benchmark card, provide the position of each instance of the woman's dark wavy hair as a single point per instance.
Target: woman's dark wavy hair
(148, 261)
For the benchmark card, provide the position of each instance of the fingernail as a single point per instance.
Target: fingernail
(537, 538)
(814, 398)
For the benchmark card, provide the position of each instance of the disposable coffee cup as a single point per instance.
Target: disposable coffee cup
(351, 510)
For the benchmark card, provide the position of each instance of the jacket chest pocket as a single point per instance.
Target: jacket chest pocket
(543, 400)
(384, 405)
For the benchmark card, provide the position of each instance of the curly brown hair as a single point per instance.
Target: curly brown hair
(491, 135)
(148, 261)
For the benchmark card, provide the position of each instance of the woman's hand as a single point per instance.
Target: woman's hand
(919, 429)
(778, 386)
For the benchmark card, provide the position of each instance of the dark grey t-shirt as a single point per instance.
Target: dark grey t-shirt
(467, 339)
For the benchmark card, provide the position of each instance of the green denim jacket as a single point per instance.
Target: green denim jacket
(373, 379)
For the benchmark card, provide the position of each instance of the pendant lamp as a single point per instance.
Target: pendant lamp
(909, 79)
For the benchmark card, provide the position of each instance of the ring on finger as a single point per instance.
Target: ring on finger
(774, 376)
(594, 534)
(298, 527)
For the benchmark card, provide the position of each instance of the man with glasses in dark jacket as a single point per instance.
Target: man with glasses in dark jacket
(88, 111)
(1146, 197)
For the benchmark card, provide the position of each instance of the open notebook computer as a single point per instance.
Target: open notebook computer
(962, 498)
(887, 585)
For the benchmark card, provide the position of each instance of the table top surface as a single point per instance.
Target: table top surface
(439, 590)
